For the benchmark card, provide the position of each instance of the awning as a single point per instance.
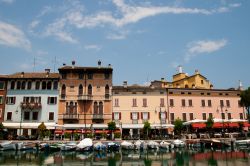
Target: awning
(199, 125)
(76, 126)
(194, 121)
(132, 126)
(246, 124)
(58, 131)
(14, 125)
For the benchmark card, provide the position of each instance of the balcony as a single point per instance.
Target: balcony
(85, 97)
(70, 116)
(30, 106)
(135, 121)
(63, 97)
(98, 116)
(107, 97)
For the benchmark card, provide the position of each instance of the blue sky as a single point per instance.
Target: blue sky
(143, 40)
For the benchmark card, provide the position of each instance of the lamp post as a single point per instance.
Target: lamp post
(222, 117)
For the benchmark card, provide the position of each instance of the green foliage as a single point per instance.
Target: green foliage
(41, 130)
(245, 101)
(146, 128)
(67, 135)
(47, 133)
(210, 122)
(112, 125)
(117, 135)
(90, 135)
(76, 136)
(1, 126)
(104, 135)
(178, 126)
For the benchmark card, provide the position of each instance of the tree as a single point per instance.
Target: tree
(111, 127)
(178, 126)
(41, 130)
(245, 101)
(1, 130)
(147, 128)
(209, 124)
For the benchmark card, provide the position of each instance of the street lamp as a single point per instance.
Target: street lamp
(223, 116)
(161, 117)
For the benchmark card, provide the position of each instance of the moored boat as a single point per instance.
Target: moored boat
(178, 143)
(85, 145)
(153, 145)
(70, 146)
(113, 146)
(166, 145)
(127, 145)
(140, 145)
(99, 146)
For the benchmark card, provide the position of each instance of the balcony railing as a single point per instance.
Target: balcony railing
(85, 97)
(107, 97)
(98, 116)
(63, 96)
(31, 105)
(70, 116)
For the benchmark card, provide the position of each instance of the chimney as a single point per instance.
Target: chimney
(125, 84)
(22, 74)
(64, 64)
(180, 69)
(109, 65)
(197, 72)
(240, 85)
(47, 70)
(162, 79)
(99, 63)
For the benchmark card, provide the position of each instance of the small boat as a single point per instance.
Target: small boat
(112, 146)
(55, 147)
(44, 147)
(127, 145)
(100, 146)
(243, 143)
(153, 145)
(85, 145)
(28, 146)
(166, 145)
(8, 145)
(178, 143)
(70, 146)
(140, 145)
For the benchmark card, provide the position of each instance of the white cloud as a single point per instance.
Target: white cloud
(203, 47)
(118, 36)
(13, 37)
(41, 52)
(34, 24)
(7, 1)
(92, 47)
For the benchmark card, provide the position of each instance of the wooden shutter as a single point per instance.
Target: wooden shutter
(138, 115)
(55, 100)
(120, 115)
(112, 115)
(159, 115)
(14, 100)
(148, 115)
(48, 100)
(131, 115)
(142, 115)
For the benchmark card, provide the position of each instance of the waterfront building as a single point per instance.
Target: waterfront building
(3, 83)
(32, 98)
(85, 97)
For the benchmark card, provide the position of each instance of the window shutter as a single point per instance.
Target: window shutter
(48, 100)
(148, 115)
(131, 115)
(112, 115)
(138, 115)
(142, 115)
(7, 99)
(159, 115)
(55, 100)
(14, 100)
(166, 115)
(120, 115)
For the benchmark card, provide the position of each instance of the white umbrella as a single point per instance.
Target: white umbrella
(194, 121)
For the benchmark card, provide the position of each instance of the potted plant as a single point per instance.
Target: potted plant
(103, 136)
(117, 136)
(67, 136)
(76, 136)
(46, 135)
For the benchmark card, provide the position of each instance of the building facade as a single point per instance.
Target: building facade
(3, 85)
(85, 96)
(32, 98)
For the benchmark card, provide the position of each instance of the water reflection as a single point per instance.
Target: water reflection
(142, 158)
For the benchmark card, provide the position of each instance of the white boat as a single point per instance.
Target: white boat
(28, 146)
(8, 145)
(127, 145)
(99, 146)
(153, 145)
(85, 145)
(113, 146)
(68, 146)
(140, 145)
(178, 143)
(166, 145)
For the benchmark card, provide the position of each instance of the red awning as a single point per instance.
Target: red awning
(68, 131)
(199, 125)
(101, 131)
(58, 131)
(233, 125)
(218, 125)
(246, 124)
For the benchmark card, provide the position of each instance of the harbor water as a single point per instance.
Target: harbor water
(185, 156)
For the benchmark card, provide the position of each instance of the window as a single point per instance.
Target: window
(52, 100)
(64, 76)
(26, 115)
(49, 85)
(209, 103)
(43, 85)
(55, 85)
(162, 102)
(162, 115)
(1, 99)
(29, 85)
(222, 115)
(241, 115)
(107, 89)
(239, 104)
(11, 100)
(203, 103)
(145, 115)
(202, 82)
(117, 116)
(1, 112)
(37, 85)
(89, 90)
(191, 116)
(184, 117)
(34, 115)
(134, 115)
(101, 108)
(204, 116)
(63, 91)
(9, 115)
(172, 117)
(23, 85)
(116, 102)
(221, 103)
(228, 103)
(90, 76)
(51, 116)
(1, 85)
(183, 104)
(134, 104)
(210, 115)
(190, 102)
(106, 76)
(171, 102)
(80, 76)
(18, 86)
(80, 90)
(229, 116)
(144, 102)
(12, 85)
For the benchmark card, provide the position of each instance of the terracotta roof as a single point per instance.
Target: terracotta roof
(43, 75)
(3, 76)
(84, 68)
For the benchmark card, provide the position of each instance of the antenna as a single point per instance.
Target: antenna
(34, 64)
(54, 61)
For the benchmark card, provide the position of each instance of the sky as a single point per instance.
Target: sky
(143, 40)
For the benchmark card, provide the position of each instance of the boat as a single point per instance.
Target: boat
(140, 145)
(8, 145)
(214, 143)
(178, 143)
(70, 146)
(153, 145)
(85, 145)
(99, 146)
(113, 146)
(166, 145)
(242, 143)
(44, 147)
(55, 147)
(28, 146)
(127, 145)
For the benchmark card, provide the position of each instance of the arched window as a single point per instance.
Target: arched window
(49, 85)
(71, 107)
(107, 89)
(89, 90)
(12, 86)
(55, 85)
(23, 85)
(18, 85)
(43, 85)
(80, 90)
(29, 85)
(186, 86)
(63, 90)
(95, 108)
(37, 85)
(100, 108)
